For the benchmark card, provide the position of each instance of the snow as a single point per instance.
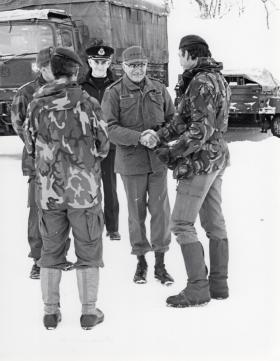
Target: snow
(138, 326)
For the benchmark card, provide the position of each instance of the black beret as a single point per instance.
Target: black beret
(67, 54)
(100, 51)
(191, 40)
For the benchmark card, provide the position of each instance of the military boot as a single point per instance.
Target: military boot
(141, 270)
(197, 291)
(160, 271)
(218, 253)
(50, 280)
(88, 281)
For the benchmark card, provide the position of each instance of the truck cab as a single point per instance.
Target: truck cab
(22, 34)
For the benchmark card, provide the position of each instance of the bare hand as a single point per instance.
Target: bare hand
(149, 138)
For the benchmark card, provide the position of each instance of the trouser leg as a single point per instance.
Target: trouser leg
(212, 220)
(54, 228)
(136, 192)
(111, 203)
(158, 204)
(87, 227)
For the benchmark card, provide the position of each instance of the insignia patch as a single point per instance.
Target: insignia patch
(101, 51)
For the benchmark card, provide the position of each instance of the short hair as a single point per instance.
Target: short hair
(63, 67)
(196, 51)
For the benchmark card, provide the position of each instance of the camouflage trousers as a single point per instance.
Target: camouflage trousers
(87, 226)
(199, 195)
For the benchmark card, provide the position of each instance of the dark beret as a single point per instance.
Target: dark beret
(191, 40)
(100, 51)
(67, 54)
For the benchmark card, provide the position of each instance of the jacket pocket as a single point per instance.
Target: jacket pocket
(128, 111)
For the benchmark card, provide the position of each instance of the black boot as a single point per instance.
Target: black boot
(88, 321)
(197, 291)
(141, 270)
(218, 253)
(160, 272)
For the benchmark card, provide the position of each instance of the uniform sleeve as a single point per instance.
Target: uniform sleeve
(102, 139)
(169, 108)
(30, 127)
(200, 124)
(118, 134)
(18, 113)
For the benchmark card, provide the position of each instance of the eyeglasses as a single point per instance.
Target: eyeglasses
(136, 66)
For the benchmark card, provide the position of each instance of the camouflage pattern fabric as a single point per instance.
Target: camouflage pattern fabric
(19, 106)
(199, 123)
(65, 133)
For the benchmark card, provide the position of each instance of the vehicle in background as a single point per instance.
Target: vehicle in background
(255, 99)
(28, 26)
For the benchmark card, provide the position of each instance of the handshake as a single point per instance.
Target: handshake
(149, 138)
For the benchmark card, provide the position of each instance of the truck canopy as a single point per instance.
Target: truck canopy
(31, 14)
(119, 23)
(252, 76)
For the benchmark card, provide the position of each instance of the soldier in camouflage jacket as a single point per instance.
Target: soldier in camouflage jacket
(20, 103)
(66, 135)
(198, 156)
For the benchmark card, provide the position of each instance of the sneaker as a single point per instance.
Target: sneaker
(114, 236)
(35, 272)
(141, 270)
(163, 276)
(51, 321)
(88, 321)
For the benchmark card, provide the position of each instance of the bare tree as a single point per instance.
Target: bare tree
(210, 9)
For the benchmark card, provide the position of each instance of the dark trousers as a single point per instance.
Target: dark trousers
(33, 232)
(148, 191)
(111, 203)
(87, 226)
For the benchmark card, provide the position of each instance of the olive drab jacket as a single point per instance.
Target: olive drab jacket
(199, 123)
(129, 110)
(19, 106)
(65, 133)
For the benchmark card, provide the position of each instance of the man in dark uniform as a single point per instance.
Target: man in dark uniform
(97, 80)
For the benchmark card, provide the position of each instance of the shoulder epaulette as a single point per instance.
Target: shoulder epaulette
(26, 85)
(158, 80)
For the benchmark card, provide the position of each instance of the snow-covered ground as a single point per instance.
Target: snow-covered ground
(138, 326)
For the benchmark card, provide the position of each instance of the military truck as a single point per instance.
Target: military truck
(30, 25)
(255, 99)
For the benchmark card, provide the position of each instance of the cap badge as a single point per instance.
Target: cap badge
(101, 52)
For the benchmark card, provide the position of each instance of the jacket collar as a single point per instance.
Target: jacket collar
(149, 85)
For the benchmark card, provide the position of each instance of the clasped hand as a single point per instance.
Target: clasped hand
(149, 138)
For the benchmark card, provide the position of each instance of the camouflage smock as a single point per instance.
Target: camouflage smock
(65, 133)
(19, 106)
(199, 123)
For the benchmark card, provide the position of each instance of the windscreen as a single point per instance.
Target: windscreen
(24, 38)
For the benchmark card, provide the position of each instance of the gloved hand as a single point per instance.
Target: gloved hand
(163, 153)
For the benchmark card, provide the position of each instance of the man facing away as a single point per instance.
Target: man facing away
(18, 114)
(66, 135)
(131, 105)
(95, 83)
(198, 158)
